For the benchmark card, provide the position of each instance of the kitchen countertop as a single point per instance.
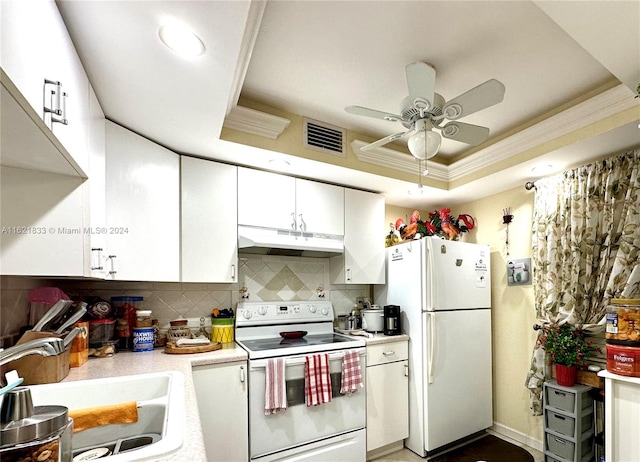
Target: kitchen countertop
(379, 338)
(130, 363)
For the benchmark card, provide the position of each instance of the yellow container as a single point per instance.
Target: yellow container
(222, 330)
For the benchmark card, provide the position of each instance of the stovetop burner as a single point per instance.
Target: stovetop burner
(309, 340)
(259, 326)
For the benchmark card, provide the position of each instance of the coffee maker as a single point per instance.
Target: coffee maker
(392, 320)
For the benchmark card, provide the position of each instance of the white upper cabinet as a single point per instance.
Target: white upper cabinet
(319, 207)
(266, 199)
(279, 201)
(363, 261)
(35, 46)
(142, 208)
(209, 221)
(42, 223)
(96, 251)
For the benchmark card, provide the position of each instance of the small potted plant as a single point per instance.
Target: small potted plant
(566, 347)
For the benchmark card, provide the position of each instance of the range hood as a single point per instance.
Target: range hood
(271, 241)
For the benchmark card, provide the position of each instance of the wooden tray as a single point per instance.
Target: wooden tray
(171, 348)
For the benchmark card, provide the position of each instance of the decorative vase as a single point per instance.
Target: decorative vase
(566, 375)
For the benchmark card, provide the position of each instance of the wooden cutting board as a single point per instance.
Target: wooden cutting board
(171, 348)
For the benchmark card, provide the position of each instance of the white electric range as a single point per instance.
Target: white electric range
(334, 430)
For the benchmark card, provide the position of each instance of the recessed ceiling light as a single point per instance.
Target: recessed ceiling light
(181, 40)
(279, 164)
(542, 169)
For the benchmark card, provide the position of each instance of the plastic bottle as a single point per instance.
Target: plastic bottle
(392, 238)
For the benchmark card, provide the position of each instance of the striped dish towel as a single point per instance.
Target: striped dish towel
(351, 373)
(275, 387)
(317, 383)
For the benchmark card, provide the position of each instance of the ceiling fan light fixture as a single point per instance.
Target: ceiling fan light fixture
(417, 190)
(182, 41)
(424, 144)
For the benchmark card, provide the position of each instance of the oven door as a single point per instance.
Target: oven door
(300, 424)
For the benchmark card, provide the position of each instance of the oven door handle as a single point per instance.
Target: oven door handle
(298, 361)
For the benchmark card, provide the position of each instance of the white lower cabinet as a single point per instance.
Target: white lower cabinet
(387, 394)
(221, 391)
(622, 417)
(142, 208)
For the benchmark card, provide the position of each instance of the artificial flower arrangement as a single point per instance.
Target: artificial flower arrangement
(440, 223)
(566, 345)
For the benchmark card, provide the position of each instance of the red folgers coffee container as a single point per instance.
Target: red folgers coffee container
(623, 360)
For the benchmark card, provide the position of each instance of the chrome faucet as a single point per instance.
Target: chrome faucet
(47, 346)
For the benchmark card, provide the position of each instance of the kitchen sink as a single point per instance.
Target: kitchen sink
(159, 430)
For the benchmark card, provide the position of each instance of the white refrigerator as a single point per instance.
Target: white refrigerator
(443, 289)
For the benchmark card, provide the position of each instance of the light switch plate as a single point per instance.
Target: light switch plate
(519, 272)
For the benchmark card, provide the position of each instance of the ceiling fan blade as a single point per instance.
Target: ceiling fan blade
(421, 80)
(484, 95)
(365, 111)
(385, 140)
(465, 133)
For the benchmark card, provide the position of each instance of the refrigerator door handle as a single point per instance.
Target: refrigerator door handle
(432, 343)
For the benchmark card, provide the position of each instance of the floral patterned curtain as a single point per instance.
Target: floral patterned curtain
(586, 248)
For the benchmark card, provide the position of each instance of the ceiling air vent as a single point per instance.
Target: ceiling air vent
(324, 137)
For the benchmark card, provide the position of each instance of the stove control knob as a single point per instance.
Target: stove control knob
(325, 311)
(312, 308)
(247, 314)
(262, 310)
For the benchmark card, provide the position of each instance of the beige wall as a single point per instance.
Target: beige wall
(513, 307)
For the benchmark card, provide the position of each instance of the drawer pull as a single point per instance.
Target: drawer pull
(558, 440)
(389, 353)
(561, 393)
(559, 417)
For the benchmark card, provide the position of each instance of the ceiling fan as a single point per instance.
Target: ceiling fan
(423, 110)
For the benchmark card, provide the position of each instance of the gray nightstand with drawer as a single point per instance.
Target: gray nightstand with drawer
(568, 423)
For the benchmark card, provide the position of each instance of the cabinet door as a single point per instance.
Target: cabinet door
(265, 199)
(387, 404)
(143, 207)
(36, 46)
(41, 220)
(319, 207)
(363, 261)
(95, 187)
(209, 221)
(221, 391)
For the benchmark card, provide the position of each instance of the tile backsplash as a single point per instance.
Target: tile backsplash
(261, 277)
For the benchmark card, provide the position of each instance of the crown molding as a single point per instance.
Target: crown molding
(254, 20)
(396, 160)
(593, 110)
(255, 122)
